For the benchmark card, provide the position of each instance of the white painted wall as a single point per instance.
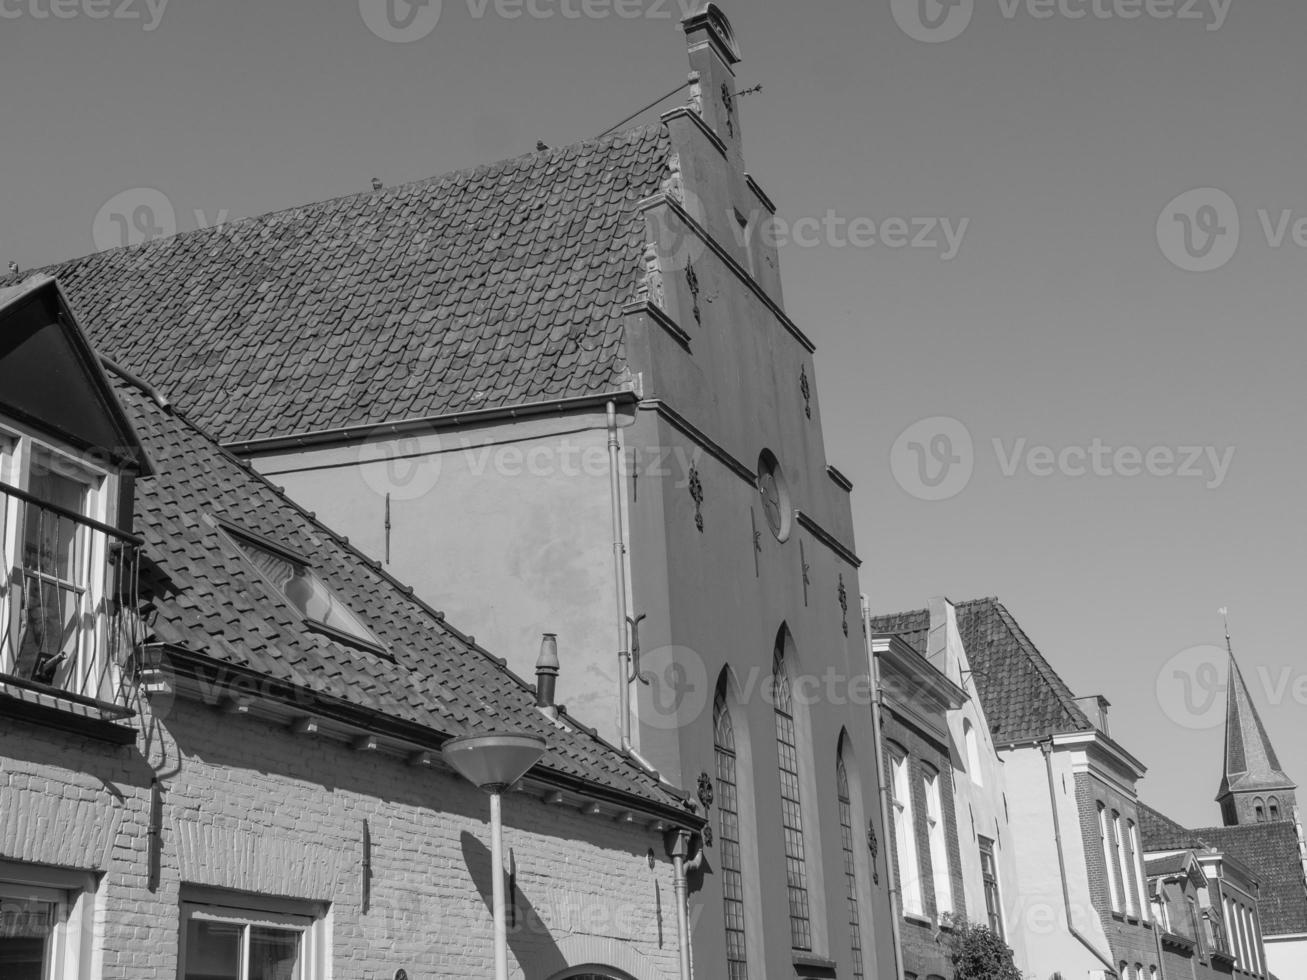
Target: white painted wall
(1287, 958)
(980, 794)
(1041, 912)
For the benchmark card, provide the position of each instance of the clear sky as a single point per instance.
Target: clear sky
(1060, 141)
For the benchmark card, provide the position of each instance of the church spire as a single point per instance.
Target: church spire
(1254, 789)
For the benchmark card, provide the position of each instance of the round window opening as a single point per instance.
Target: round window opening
(775, 494)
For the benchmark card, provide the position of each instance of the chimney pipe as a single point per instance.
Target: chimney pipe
(547, 673)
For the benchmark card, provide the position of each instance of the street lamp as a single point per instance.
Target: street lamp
(493, 763)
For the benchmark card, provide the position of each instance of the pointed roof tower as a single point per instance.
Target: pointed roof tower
(1252, 769)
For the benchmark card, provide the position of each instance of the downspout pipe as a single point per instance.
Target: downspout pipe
(895, 897)
(619, 577)
(1047, 748)
(679, 844)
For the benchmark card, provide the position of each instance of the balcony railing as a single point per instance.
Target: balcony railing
(68, 595)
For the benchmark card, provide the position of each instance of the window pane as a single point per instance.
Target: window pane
(274, 954)
(26, 931)
(212, 950)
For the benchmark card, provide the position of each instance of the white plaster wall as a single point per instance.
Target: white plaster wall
(506, 528)
(980, 806)
(1040, 908)
(1287, 958)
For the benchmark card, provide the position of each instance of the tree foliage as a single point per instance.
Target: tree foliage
(979, 954)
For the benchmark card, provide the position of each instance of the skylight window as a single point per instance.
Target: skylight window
(303, 591)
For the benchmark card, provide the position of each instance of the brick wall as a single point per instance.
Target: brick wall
(924, 953)
(251, 808)
(1131, 938)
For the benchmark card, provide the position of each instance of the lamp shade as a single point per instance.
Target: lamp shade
(496, 761)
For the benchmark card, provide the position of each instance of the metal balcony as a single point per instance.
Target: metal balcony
(68, 595)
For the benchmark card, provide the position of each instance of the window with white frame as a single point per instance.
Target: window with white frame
(972, 744)
(989, 878)
(251, 938)
(938, 838)
(1123, 862)
(1141, 879)
(1105, 842)
(56, 551)
(43, 923)
(905, 840)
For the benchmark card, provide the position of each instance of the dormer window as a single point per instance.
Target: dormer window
(57, 595)
(292, 578)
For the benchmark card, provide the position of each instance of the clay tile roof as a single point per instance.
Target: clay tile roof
(213, 604)
(1022, 694)
(497, 286)
(1270, 851)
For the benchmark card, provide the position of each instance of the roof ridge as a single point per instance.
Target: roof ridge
(249, 219)
(1066, 697)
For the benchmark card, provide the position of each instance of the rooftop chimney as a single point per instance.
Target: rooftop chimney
(547, 674)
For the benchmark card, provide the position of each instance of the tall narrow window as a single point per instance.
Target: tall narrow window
(1123, 862)
(989, 877)
(850, 875)
(1105, 840)
(796, 870)
(972, 745)
(1273, 806)
(728, 825)
(935, 834)
(1141, 879)
(905, 837)
(1259, 810)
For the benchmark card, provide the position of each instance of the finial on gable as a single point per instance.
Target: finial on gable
(709, 25)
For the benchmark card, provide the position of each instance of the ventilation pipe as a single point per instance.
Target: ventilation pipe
(547, 675)
(624, 676)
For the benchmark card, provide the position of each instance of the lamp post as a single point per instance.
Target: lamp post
(493, 763)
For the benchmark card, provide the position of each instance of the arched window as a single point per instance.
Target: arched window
(1122, 862)
(728, 828)
(850, 873)
(972, 745)
(937, 836)
(1141, 879)
(1273, 805)
(1105, 843)
(796, 867)
(1259, 809)
(905, 832)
